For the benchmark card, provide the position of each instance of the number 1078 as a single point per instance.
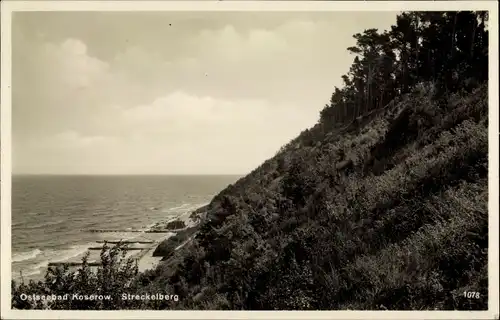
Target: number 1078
(471, 295)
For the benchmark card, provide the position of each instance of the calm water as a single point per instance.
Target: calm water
(50, 212)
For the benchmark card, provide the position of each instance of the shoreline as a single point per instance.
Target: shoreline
(191, 220)
(145, 258)
(168, 246)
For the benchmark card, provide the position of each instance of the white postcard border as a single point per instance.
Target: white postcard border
(8, 7)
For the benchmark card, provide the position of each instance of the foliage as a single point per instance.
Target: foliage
(446, 48)
(111, 279)
(381, 205)
(167, 247)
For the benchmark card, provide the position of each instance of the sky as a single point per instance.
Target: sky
(171, 92)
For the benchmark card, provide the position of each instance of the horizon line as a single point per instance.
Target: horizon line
(129, 174)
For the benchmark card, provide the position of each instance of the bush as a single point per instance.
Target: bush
(110, 280)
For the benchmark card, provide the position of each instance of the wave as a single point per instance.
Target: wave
(187, 207)
(52, 255)
(193, 208)
(184, 205)
(45, 224)
(32, 273)
(20, 223)
(150, 225)
(23, 256)
(72, 252)
(199, 205)
(69, 254)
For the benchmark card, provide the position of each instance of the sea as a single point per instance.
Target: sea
(50, 214)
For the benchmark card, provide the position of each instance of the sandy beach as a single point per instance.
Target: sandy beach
(148, 262)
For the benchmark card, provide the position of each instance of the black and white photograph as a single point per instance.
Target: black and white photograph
(229, 159)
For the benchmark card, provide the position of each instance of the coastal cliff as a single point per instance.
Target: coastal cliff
(383, 204)
(402, 211)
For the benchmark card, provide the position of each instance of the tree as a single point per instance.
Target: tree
(447, 48)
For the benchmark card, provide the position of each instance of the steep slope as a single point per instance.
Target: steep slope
(382, 204)
(390, 214)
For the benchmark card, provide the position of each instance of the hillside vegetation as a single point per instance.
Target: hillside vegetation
(381, 205)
